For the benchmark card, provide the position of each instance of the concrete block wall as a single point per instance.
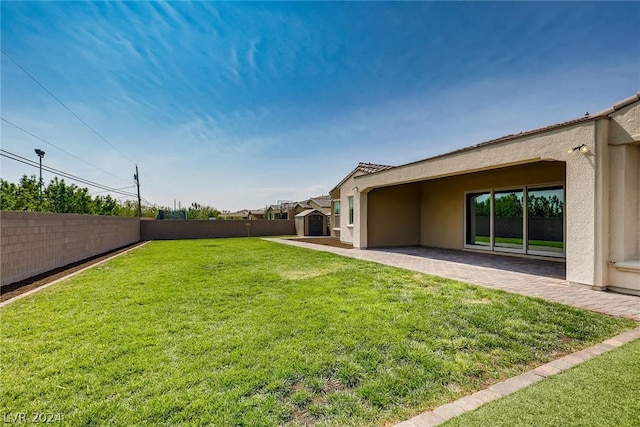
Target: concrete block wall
(37, 242)
(190, 229)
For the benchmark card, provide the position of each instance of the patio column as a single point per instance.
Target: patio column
(360, 218)
(583, 216)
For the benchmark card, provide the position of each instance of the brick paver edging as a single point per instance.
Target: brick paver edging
(33, 291)
(473, 401)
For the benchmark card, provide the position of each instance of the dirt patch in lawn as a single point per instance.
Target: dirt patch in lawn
(18, 288)
(326, 241)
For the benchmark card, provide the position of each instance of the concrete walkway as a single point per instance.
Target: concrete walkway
(535, 278)
(543, 279)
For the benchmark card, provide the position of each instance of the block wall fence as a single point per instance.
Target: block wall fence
(194, 229)
(36, 242)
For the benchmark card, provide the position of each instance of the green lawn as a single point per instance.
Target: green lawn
(602, 392)
(250, 332)
(517, 241)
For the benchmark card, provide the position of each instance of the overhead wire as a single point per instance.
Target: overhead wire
(70, 111)
(58, 148)
(67, 175)
(65, 106)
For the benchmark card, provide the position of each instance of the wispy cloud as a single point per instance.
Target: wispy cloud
(238, 104)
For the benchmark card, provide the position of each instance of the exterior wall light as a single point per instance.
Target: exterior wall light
(582, 148)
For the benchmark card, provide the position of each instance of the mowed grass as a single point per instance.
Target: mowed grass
(601, 392)
(249, 332)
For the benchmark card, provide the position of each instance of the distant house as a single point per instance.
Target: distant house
(289, 210)
(256, 214)
(320, 203)
(242, 214)
(569, 191)
(275, 212)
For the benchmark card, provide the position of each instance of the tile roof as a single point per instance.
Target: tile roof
(323, 201)
(367, 168)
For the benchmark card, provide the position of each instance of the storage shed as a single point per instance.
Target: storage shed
(311, 222)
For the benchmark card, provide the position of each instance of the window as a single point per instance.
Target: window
(350, 210)
(336, 213)
(508, 219)
(478, 220)
(500, 220)
(545, 216)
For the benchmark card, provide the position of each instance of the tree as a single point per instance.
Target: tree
(198, 211)
(25, 196)
(62, 198)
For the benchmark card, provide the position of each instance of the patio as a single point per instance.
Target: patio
(531, 277)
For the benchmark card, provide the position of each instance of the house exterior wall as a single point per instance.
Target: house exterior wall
(624, 216)
(316, 206)
(394, 216)
(625, 125)
(601, 189)
(37, 242)
(345, 231)
(551, 145)
(442, 200)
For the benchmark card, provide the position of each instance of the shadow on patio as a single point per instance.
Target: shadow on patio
(537, 267)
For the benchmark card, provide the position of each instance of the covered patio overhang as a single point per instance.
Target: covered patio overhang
(427, 203)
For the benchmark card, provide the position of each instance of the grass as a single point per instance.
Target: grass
(601, 392)
(517, 241)
(250, 332)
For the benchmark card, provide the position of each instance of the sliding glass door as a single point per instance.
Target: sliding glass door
(500, 220)
(545, 218)
(508, 216)
(478, 219)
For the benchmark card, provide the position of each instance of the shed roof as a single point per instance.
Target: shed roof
(308, 212)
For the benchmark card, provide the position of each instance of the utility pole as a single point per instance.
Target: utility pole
(137, 178)
(40, 154)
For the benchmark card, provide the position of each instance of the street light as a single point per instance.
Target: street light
(40, 154)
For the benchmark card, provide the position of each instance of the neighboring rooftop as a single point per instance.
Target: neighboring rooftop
(323, 201)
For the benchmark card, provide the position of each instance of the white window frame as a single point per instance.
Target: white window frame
(336, 216)
(525, 221)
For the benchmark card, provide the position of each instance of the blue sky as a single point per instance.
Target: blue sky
(238, 105)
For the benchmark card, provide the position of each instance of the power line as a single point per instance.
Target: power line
(65, 106)
(55, 146)
(34, 164)
(105, 191)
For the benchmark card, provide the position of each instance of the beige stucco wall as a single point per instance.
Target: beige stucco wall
(624, 215)
(580, 188)
(346, 232)
(625, 125)
(442, 207)
(314, 205)
(602, 191)
(394, 216)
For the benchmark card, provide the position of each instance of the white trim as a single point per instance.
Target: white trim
(466, 245)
